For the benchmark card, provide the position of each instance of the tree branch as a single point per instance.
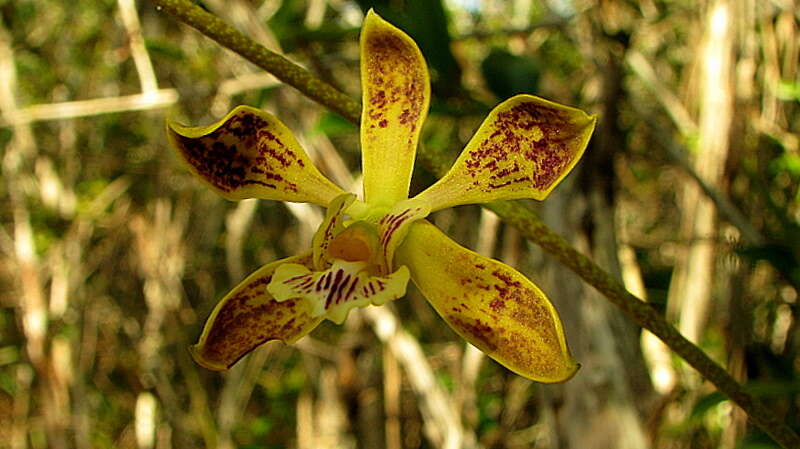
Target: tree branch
(512, 213)
(283, 69)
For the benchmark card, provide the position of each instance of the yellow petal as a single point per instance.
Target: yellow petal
(332, 225)
(395, 94)
(251, 154)
(523, 149)
(337, 290)
(490, 304)
(249, 316)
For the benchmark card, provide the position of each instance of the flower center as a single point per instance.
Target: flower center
(357, 243)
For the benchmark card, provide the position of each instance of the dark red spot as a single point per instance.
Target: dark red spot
(497, 304)
(352, 288)
(477, 329)
(392, 223)
(396, 77)
(506, 278)
(242, 151)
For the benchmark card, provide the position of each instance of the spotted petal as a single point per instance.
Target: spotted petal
(251, 154)
(488, 303)
(249, 316)
(395, 94)
(337, 290)
(523, 149)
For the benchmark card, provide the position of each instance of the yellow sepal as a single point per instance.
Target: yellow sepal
(395, 96)
(251, 154)
(249, 316)
(523, 149)
(490, 304)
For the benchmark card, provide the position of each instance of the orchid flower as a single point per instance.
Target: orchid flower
(365, 251)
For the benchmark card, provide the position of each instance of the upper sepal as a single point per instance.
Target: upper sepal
(395, 95)
(490, 304)
(249, 316)
(251, 154)
(523, 149)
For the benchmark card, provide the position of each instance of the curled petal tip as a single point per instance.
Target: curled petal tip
(196, 352)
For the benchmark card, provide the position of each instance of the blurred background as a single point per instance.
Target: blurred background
(113, 255)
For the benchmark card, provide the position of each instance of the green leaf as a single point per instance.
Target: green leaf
(507, 74)
(789, 90)
(333, 125)
(706, 403)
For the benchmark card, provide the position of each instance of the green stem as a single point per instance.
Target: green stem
(283, 69)
(528, 223)
(645, 316)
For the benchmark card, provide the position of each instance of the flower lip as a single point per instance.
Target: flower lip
(332, 293)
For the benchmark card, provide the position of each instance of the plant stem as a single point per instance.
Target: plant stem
(283, 69)
(645, 316)
(512, 213)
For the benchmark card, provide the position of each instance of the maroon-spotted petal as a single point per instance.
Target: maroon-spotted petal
(251, 154)
(490, 304)
(395, 93)
(523, 149)
(249, 316)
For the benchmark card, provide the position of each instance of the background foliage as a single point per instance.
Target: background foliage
(113, 256)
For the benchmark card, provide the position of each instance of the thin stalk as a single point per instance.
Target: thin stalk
(283, 69)
(512, 213)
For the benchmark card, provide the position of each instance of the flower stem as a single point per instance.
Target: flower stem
(512, 213)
